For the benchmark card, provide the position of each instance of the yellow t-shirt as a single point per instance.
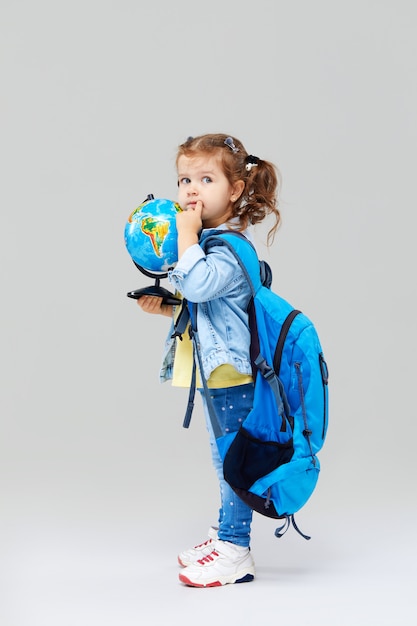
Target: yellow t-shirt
(223, 376)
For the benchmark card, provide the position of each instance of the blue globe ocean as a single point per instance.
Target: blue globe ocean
(151, 235)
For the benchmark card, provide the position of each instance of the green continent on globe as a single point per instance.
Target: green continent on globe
(156, 230)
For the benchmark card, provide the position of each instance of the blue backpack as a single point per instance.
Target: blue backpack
(271, 462)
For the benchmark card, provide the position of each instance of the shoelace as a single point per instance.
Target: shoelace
(209, 558)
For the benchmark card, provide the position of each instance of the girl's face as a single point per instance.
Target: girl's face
(202, 179)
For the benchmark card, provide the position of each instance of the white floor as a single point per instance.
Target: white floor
(358, 571)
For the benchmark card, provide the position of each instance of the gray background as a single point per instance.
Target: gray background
(100, 485)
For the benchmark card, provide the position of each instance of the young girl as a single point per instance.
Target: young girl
(220, 186)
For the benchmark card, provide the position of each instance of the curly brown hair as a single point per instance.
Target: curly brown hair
(259, 198)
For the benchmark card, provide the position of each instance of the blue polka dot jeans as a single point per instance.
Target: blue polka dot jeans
(232, 406)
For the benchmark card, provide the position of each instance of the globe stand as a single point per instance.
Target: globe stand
(153, 290)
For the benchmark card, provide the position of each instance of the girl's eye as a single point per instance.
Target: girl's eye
(206, 179)
(184, 181)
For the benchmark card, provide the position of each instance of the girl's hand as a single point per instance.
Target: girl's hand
(189, 224)
(153, 304)
(190, 221)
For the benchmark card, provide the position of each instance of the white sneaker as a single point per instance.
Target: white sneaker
(226, 563)
(198, 552)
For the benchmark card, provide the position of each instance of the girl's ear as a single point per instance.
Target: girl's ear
(237, 190)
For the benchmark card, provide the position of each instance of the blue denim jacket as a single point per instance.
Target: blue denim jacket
(217, 284)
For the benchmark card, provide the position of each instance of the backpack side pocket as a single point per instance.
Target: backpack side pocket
(249, 458)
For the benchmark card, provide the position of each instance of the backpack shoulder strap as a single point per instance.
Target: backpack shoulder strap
(282, 337)
(257, 275)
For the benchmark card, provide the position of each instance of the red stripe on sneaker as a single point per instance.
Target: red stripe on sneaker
(189, 582)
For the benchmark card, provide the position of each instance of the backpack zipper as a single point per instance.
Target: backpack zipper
(306, 432)
(325, 378)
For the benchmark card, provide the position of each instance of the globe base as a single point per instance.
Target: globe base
(154, 290)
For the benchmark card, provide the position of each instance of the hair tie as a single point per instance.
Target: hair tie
(251, 161)
(230, 143)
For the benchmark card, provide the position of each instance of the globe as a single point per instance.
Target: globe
(151, 234)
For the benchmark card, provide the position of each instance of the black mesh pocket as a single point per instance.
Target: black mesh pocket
(248, 459)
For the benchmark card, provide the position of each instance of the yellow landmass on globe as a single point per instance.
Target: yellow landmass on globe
(156, 231)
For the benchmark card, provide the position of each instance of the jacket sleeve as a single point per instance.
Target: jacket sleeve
(200, 277)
